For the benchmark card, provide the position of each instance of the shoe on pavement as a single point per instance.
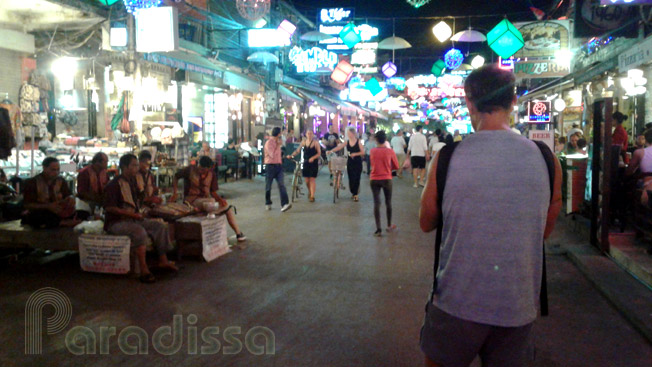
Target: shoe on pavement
(415, 185)
(286, 207)
(422, 184)
(268, 207)
(392, 228)
(378, 233)
(241, 237)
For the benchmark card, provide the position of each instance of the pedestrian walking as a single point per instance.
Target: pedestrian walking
(418, 152)
(399, 145)
(383, 162)
(498, 205)
(274, 167)
(311, 154)
(355, 152)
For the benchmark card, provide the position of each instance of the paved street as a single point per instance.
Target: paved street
(332, 294)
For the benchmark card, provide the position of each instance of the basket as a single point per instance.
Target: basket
(338, 163)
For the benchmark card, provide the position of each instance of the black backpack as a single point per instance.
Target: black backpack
(443, 161)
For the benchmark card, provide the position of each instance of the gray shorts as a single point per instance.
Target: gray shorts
(452, 342)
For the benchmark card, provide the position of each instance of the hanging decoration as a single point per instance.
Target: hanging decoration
(442, 31)
(108, 2)
(389, 69)
(505, 39)
(350, 35)
(373, 86)
(253, 9)
(453, 58)
(417, 3)
(438, 68)
(477, 62)
(134, 5)
(342, 72)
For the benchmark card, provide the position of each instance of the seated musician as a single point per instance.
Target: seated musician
(123, 217)
(147, 190)
(48, 199)
(91, 182)
(200, 182)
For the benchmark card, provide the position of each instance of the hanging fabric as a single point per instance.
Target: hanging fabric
(119, 115)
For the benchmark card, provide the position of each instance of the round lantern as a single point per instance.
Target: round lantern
(453, 58)
(253, 9)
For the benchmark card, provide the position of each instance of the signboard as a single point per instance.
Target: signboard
(313, 60)
(594, 20)
(635, 56)
(364, 54)
(539, 69)
(543, 38)
(157, 29)
(546, 136)
(367, 33)
(213, 238)
(267, 37)
(104, 254)
(336, 15)
(539, 111)
(506, 64)
(436, 93)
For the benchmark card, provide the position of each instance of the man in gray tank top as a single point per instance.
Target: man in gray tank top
(496, 210)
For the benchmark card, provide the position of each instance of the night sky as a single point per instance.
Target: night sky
(425, 48)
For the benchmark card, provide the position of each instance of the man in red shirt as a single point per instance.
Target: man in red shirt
(383, 162)
(619, 136)
(48, 199)
(91, 182)
(274, 169)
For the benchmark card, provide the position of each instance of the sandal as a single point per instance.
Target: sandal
(147, 278)
(355, 198)
(312, 199)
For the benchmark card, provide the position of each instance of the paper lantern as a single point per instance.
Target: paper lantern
(342, 72)
(287, 28)
(477, 61)
(253, 9)
(505, 39)
(350, 35)
(438, 68)
(389, 69)
(453, 58)
(442, 31)
(373, 86)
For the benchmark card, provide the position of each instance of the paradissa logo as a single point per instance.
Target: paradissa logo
(132, 340)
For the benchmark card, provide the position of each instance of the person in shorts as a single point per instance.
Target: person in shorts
(418, 152)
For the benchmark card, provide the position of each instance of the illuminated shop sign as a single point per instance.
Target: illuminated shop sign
(538, 111)
(625, 2)
(367, 33)
(436, 93)
(267, 37)
(506, 64)
(336, 15)
(397, 82)
(364, 54)
(444, 81)
(313, 60)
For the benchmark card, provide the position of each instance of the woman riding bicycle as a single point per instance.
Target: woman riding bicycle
(354, 163)
(311, 154)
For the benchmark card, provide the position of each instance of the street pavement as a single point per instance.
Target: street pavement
(315, 277)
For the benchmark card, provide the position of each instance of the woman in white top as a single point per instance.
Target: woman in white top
(641, 163)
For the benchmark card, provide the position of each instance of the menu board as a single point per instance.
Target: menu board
(104, 254)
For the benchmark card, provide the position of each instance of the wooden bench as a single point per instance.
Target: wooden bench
(15, 235)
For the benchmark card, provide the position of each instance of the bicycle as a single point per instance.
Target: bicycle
(338, 165)
(297, 181)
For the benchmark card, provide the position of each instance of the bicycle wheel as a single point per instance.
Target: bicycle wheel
(295, 187)
(336, 186)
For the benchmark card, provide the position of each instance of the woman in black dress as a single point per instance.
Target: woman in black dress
(311, 154)
(355, 152)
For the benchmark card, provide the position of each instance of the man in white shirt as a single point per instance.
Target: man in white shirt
(418, 152)
(435, 145)
(398, 144)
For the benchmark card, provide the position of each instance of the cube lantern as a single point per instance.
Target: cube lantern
(342, 72)
(505, 39)
(389, 69)
(438, 68)
(350, 35)
(287, 27)
(373, 86)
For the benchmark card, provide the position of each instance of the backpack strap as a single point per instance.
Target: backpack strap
(549, 157)
(443, 161)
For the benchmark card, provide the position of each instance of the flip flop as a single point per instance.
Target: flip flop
(147, 278)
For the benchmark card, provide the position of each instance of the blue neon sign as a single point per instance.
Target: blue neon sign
(309, 61)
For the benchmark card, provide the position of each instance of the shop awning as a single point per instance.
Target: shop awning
(186, 61)
(288, 95)
(242, 82)
(322, 102)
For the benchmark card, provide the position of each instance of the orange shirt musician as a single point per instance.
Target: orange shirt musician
(91, 182)
(200, 182)
(145, 182)
(48, 199)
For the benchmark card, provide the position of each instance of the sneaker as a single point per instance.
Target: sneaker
(415, 185)
(378, 233)
(241, 237)
(286, 207)
(422, 184)
(268, 207)
(392, 228)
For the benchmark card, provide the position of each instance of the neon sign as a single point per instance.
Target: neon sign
(435, 93)
(311, 60)
(539, 111)
(367, 33)
(267, 37)
(336, 15)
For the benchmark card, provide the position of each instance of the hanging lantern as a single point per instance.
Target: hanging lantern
(453, 58)
(442, 31)
(418, 3)
(350, 35)
(253, 9)
(505, 39)
(373, 86)
(438, 68)
(477, 61)
(133, 5)
(287, 27)
(342, 72)
(389, 69)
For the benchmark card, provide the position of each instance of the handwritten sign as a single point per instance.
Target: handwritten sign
(104, 254)
(213, 236)
(546, 136)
